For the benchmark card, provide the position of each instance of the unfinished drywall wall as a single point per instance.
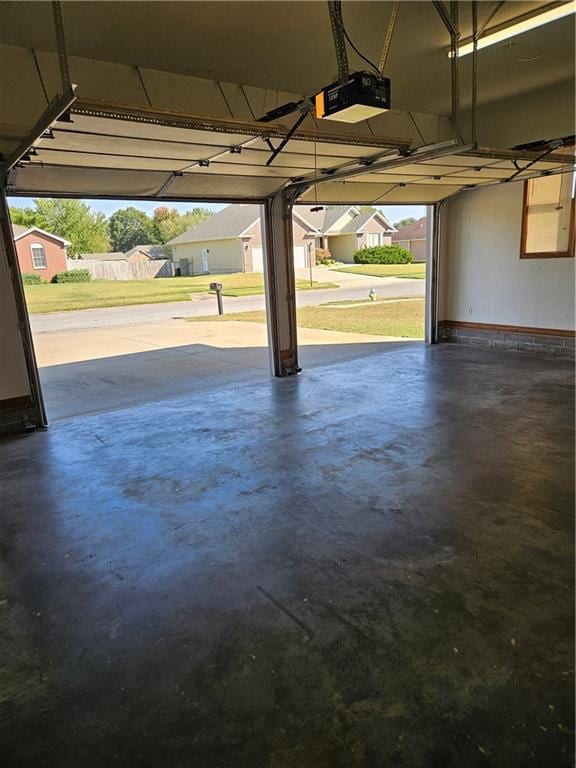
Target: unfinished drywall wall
(545, 113)
(13, 373)
(483, 279)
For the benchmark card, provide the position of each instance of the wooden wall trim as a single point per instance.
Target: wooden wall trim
(508, 328)
(16, 403)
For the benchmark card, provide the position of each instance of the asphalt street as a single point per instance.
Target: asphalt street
(204, 305)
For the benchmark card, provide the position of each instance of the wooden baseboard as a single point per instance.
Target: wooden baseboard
(15, 403)
(508, 328)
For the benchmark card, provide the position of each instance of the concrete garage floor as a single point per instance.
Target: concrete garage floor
(366, 566)
(101, 369)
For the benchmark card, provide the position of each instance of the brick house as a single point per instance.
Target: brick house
(413, 238)
(344, 229)
(40, 253)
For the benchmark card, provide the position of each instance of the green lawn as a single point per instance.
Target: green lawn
(55, 297)
(392, 317)
(414, 271)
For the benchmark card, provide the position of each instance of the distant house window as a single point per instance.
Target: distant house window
(548, 217)
(373, 239)
(38, 256)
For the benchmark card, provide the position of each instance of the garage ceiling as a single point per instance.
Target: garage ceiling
(128, 153)
(288, 45)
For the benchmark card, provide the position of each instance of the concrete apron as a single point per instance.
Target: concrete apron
(101, 369)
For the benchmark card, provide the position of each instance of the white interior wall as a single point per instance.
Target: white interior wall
(13, 374)
(483, 279)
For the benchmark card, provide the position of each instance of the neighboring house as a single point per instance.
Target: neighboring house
(231, 240)
(146, 253)
(413, 238)
(40, 253)
(344, 229)
(139, 253)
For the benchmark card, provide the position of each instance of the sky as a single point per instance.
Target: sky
(392, 212)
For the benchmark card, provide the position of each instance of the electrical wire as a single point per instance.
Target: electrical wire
(347, 36)
(39, 73)
(542, 55)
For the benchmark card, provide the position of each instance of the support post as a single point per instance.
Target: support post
(433, 235)
(280, 283)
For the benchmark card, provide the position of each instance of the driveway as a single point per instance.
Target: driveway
(352, 287)
(103, 369)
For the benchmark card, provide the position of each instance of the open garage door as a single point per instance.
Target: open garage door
(104, 151)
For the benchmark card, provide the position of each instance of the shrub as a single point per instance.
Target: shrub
(383, 254)
(29, 278)
(323, 256)
(72, 276)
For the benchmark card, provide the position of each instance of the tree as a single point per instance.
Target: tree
(24, 217)
(168, 223)
(404, 222)
(129, 227)
(73, 220)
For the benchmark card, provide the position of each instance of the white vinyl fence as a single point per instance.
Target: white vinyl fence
(124, 270)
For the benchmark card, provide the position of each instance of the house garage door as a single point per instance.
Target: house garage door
(299, 256)
(257, 260)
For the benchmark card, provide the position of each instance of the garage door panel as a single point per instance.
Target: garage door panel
(87, 160)
(183, 150)
(111, 150)
(107, 126)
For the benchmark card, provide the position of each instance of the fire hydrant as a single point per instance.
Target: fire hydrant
(372, 294)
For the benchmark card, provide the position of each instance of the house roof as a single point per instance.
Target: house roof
(314, 218)
(229, 222)
(19, 231)
(114, 256)
(152, 251)
(332, 215)
(358, 222)
(414, 231)
(325, 219)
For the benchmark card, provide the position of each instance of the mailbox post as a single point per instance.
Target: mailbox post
(218, 288)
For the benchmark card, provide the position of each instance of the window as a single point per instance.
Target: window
(548, 217)
(372, 239)
(38, 256)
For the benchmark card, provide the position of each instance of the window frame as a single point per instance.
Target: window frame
(569, 254)
(374, 234)
(38, 245)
